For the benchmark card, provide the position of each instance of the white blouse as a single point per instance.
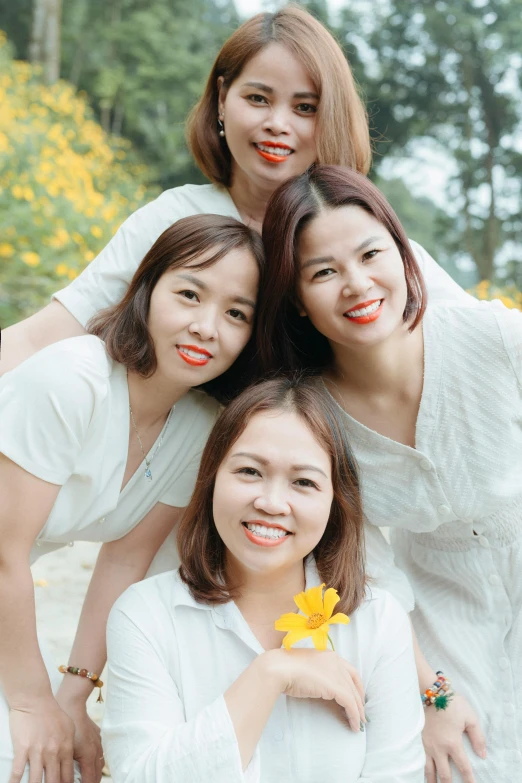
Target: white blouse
(171, 659)
(105, 280)
(64, 417)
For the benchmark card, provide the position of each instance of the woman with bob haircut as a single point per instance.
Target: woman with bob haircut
(200, 688)
(100, 440)
(438, 448)
(280, 97)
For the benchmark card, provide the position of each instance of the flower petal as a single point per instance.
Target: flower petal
(290, 621)
(320, 638)
(295, 636)
(340, 618)
(331, 598)
(311, 601)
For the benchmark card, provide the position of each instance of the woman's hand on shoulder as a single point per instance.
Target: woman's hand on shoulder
(42, 736)
(314, 674)
(442, 737)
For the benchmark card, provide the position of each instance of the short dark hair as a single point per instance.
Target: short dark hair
(339, 555)
(123, 326)
(285, 340)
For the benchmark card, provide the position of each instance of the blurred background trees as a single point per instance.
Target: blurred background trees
(441, 79)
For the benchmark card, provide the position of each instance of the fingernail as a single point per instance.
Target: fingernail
(368, 720)
(361, 726)
(483, 754)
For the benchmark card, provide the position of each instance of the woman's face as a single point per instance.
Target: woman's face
(201, 319)
(273, 494)
(351, 283)
(269, 118)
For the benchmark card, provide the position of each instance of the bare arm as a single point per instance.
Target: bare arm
(48, 326)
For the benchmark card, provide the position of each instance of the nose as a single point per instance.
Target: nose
(277, 121)
(206, 327)
(272, 500)
(356, 282)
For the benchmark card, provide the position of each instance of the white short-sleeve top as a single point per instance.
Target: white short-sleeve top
(64, 417)
(171, 658)
(105, 280)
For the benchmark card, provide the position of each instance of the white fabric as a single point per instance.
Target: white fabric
(64, 417)
(171, 659)
(454, 506)
(105, 280)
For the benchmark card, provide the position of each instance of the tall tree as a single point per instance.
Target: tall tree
(44, 46)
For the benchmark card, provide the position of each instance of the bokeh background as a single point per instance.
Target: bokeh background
(93, 96)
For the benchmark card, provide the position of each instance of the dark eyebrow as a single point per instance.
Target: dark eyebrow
(270, 90)
(194, 280)
(320, 260)
(367, 242)
(244, 301)
(263, 461)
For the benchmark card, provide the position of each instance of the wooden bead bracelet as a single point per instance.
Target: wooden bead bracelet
(440, 693)
(84, 673)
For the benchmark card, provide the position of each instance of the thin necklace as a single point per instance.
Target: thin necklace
(148, 474)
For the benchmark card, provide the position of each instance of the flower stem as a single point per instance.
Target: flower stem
(330, 640)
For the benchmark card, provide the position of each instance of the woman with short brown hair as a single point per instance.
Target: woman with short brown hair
(200, 688)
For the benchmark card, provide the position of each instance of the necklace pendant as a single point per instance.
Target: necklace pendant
(148, 475)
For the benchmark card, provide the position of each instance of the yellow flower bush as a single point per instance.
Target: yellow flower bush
(508, 295)
(65, 186)
(315, 620)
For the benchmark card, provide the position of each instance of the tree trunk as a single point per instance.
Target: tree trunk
(44, 48)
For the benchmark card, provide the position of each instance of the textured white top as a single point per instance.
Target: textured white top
(171, 659)
(105, 280)
(64, 417)
(466, 469)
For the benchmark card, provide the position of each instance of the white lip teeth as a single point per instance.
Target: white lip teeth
(193, 354)
(274, 150)
(364, 310)
(265, 532)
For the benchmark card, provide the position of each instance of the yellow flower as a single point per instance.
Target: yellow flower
(317, 620)
(96, 231)
(6, 250)
(30, 258)
(61, 269)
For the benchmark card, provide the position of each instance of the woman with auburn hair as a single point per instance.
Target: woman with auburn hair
(280, 97)
(438, 448)
(200, 688)
(100, 440)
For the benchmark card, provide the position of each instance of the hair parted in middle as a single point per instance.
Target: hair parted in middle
(199, 241)
(341, 132)
(287, 341)
(339, 555)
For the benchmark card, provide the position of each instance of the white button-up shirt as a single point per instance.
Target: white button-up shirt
(171, 659)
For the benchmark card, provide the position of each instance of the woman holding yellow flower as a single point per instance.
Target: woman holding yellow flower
(200, 688)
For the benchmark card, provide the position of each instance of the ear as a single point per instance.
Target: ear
(222, 94)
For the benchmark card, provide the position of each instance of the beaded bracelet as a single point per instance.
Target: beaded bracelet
(440, 693)
(84, 673)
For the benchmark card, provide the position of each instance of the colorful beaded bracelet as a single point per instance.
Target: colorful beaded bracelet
(440, 693)
(84, 673)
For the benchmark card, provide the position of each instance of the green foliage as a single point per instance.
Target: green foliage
(65, 186)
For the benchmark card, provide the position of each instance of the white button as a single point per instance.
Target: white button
(101, 521)
(71, 543)
(425, 464)
(509, 709)
(495, 580)
(279, 735)
(444, 510)
(483, 541)
(503, 663)
(38, 543)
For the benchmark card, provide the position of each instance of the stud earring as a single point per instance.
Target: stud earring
(221, 126)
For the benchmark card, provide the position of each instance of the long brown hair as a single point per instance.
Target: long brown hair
(342, 134)
(285, 340)
(123, 326)
(339, 555)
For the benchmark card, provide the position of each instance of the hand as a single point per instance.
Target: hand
(442, 737)
(88, 751)
(42, 736)
(311, 674)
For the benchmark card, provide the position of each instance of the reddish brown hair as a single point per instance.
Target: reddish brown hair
(342, 134)
(284, 339)
(339, 555)
(124, 326)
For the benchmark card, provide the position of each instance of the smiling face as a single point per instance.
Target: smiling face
(273, 494)
(201, 319)
(352, 284)
(269, 117)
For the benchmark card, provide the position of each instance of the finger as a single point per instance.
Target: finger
(477, 739)
(461, 761)
(67, 770)
(354, 674)
(36, 769)
(52, 769)
(19, 763)
(443, 769)
(429, 771)
(350, 683)
(346, 699)
(89, 768)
